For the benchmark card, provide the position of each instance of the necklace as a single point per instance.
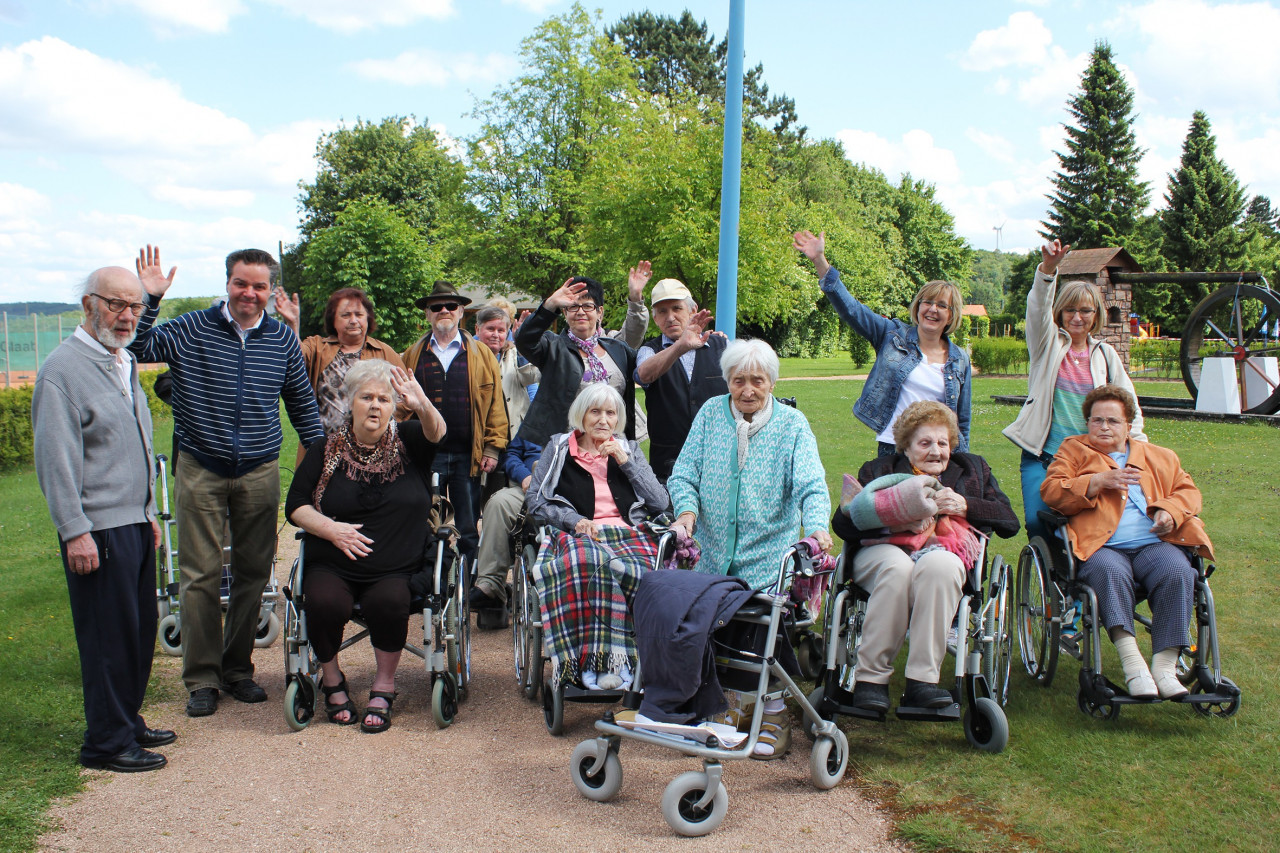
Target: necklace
(1078, 359)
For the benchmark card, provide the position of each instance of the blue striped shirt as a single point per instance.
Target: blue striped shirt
(227, 391)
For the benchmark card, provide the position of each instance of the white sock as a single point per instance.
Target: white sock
(775, 706)
(1165, 663)
(1131, 657)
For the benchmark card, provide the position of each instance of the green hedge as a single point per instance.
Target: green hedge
(981, 326)
(1012, 322)
(999, 355)
(159, 408)
(15, 426)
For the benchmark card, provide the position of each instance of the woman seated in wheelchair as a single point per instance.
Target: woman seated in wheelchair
(745, 482)
(914, 518)
(595, 487)
(1131, 513)
(363, 496)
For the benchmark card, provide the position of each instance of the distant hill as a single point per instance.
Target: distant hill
(24, 308)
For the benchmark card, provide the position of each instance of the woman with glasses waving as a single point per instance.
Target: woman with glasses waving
(576, 357)
(915, 361)
(1066, 362)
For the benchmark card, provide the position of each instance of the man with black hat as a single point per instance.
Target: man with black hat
(679, 370)
(461, 377)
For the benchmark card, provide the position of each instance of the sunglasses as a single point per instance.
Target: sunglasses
(443, 306)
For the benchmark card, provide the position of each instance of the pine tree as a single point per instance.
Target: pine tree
(1200, 223)
(1097, 196)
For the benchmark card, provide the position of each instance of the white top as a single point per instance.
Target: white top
(447, 352)
(242, 331)
(122, 356)
(923, 383)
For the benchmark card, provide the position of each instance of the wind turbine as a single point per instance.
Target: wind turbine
(998, 229)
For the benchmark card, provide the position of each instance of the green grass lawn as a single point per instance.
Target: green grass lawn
(839, 365)
(1157, 777)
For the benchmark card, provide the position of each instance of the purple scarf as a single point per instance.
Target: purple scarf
(595, 370)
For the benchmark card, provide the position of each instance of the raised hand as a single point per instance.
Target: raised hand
(524, 315)
(1051, 254)
(151, 273)
(694, 336)
(407, 386)
(566, 295)
(813, 248)
(637, 278)
(288, 308)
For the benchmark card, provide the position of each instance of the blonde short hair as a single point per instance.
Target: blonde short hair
(932, 292)
(594, 395)
(924, 413)
(1076, 293)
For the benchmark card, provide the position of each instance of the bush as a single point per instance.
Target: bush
(981, 326)
(999, 355)
(1156, 357)
(159, 408)
(15, 426)
(860, 349)
(1005, 325)
(960, 337)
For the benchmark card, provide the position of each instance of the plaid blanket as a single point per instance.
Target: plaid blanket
(585, 588)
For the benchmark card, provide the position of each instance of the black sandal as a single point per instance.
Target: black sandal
(333, 709)
(383, 714)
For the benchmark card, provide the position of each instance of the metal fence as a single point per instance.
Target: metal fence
(28, 340)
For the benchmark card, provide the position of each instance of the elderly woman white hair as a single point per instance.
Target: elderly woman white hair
(361, 496)
(747, 482)
(594, 486)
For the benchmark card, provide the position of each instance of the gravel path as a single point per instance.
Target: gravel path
(242, 780)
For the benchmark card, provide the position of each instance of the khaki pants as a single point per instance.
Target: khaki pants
(921, 595)
(494, 557)
(214, 654)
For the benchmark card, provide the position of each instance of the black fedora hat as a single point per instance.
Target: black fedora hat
(442, 290)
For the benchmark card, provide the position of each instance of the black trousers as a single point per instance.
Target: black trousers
(114, 613)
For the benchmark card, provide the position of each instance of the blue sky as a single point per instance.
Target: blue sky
(188, 123)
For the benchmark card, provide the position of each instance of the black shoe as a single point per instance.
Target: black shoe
(246, 690)
(870, 697)
(151, 738)
(481, 600)
(920, 694)
(136, 760)
(202, 702)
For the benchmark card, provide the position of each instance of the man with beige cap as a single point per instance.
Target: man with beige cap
(679, 370)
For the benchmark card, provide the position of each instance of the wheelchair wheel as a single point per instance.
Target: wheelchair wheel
(985, 726)
(458, 630)
(299, 702)
(444, 700)
(170, 635)
(679, 805)
(553, 708)
(268, 630)
(997, 653)
(828, 760)
(526, 636)
(1217, 709)
(1096, 710)
(1038, 632)
(809, 654)
(605, 784)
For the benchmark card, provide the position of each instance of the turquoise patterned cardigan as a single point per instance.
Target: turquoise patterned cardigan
(747, 518)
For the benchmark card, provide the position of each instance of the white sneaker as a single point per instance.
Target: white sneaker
(1142, 686)
(609, 681)
(1169, 686)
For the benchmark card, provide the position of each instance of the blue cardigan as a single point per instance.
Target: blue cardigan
(747, 518)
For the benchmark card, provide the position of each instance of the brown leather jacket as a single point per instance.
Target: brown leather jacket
(1094, 520)
(319, 352)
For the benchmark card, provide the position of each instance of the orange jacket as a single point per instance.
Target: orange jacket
(1094, 520)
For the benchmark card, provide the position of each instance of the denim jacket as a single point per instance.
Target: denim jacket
(897, 346)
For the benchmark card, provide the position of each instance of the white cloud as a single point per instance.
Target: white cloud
(195, 198)
(1055, 81)
(1024, 40)
(345, 16)
(538, 6)
(1200, 54)
(914, 153)
(206, 16)
(993, 145)
(434, 68)
(18, 204)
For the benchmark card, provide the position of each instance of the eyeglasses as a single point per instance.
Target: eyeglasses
(1111, 423)
(581, 308)
(115, 306)
(1083, 312)
(443, 306)
(941, 306)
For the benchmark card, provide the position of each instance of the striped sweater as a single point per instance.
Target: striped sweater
(227, 392)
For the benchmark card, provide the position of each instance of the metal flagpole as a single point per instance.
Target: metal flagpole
(35, 335)
(731, 176)
(7, 368)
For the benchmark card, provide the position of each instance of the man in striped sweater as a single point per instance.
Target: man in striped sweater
(231, 366)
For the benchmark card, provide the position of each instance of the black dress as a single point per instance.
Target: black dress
(394, 515)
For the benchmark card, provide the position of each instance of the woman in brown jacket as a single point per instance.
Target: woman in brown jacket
(1132, 519)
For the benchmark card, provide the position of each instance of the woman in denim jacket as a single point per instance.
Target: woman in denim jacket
(914, 361)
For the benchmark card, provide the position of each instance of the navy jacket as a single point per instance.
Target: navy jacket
(675, 613)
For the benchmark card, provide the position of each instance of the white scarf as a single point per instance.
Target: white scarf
(748, 428)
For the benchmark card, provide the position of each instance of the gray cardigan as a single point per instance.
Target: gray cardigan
(547, 507)
(92, 449)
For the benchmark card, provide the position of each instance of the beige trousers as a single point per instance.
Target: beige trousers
(920, 595)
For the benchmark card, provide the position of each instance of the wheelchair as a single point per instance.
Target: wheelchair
(446, 642)
(982, 650)
(1047, 582)
(169, 631)
(695, 802)
(531, 659)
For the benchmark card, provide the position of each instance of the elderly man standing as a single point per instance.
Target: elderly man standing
(231, 365)
(673, 397)
(460, 376)
(93, 460)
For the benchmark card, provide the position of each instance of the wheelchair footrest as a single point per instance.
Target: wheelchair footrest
(948, 714)
(493, 618)
(574, 693)
(837, 702)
